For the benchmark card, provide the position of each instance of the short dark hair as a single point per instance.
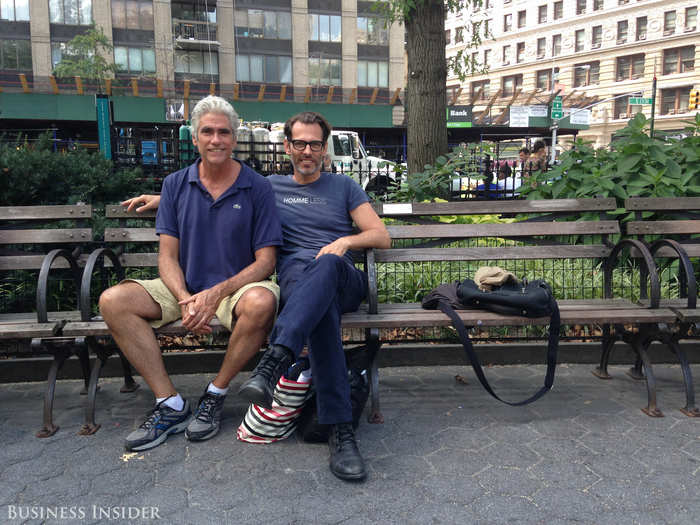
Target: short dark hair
(537, 146)
(308, 117)
(524, 150)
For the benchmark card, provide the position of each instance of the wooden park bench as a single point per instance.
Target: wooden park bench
(548, 234)
(671, 229)
(44, 240)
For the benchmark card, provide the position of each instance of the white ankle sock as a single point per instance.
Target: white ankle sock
(305, 376)
(175, 402)
(216, 390)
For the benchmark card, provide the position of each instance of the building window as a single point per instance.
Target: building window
(487, 28)
(196, 62)
(448, 36)
(596, 37)
(506, 55)
(267, 69)
(194, 11)
(507, 22)
(256, 23)
(135, 60)
(669, 23)
(556, 45)
(487, 57)
(623, 109)
(623, 2)
(480, 88)
(558, 10)
(325, 71)
(72, 12)
(511, 84)
(597, 5)
(373, 31)
(641, 28)
(691, 18)
(132, 14)
(679, 60)
(522, 19)
(543, 80)
(586, 74)
(324, 28)
(674, 100)
(580, 7)
(16, 55)
(372, 74)
(541, 47)
(520, 52)
(580, 35)
(630, 67)
(622, 31)
(459, 35)
(14, 10)
(542, 14)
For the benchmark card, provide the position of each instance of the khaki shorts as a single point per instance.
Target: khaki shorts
(171, 310)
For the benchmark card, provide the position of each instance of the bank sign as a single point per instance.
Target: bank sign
(459, 116)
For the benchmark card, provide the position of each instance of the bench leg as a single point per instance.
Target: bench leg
(84, 355)
(636, 372)
(640, 345)
(601, 371)
(689, 409)
(373, 345)
(89, 426)
(49, 429)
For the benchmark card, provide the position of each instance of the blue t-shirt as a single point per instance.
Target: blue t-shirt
(314, 215)
(217, 238)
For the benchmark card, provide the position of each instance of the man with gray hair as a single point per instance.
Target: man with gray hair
(218, 231)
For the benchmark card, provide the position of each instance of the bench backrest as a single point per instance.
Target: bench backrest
(680, 221)
(27, 233)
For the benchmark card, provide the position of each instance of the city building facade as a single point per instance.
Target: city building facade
(341, 47)
(599, 53)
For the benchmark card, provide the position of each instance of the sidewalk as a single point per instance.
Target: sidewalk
(447, 453)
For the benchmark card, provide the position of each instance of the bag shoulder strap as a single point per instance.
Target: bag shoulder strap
(552, 347)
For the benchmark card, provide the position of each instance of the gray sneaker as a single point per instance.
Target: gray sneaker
(207, 419)
(159, 424)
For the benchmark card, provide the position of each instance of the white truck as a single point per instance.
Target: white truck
(347, 155)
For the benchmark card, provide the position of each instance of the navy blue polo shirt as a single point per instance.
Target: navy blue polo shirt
(217, 238)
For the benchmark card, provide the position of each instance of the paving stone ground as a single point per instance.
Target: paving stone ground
(447, 453)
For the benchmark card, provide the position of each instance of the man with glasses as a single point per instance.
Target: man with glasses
(318, 281)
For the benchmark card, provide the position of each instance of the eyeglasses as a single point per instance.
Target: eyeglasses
(300, 145)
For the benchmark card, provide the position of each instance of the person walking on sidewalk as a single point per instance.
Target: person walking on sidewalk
(218, 231)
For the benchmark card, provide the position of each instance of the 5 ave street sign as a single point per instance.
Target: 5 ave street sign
(638, 101)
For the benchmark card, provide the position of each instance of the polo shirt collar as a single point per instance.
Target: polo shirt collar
(243, 181)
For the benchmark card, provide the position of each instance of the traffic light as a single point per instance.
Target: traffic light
(694, 99)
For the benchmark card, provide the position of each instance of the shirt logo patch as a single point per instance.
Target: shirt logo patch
(236, 206)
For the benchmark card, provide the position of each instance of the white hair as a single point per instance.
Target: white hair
(213, 104)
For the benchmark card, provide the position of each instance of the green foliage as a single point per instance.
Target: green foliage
(34, 174)
(636, 165)
(434, 182)
(84, 57)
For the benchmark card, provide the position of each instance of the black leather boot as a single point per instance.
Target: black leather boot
(346, 461)
(260, 387)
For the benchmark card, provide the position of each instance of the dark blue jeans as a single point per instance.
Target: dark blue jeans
(314, 297)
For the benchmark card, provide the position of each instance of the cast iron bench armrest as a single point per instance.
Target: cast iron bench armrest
(43, 280)
(86, 286)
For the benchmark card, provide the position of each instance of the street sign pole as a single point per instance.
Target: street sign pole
(653, 102)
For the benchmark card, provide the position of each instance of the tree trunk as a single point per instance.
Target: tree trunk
(426, 93)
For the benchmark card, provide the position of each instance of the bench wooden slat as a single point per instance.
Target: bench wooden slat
(495, 207)
(131, 235)
(48, 236)
(490, 254)
(663, 204)
(33, 262)
(663, 227)
(521, 229)
(688, 315)
(116, 211)
(27, 330)
(30, 317)
(75, 211)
